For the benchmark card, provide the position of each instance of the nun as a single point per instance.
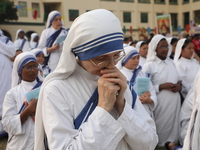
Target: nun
(186, 65)
(142, 48)
(6, 51)
(21, 43)
(166, 82)
(18, 115)
(51, 40)
(34, 40)
(130, 68)
(85, 103)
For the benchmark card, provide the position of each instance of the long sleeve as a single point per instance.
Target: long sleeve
(144, 129)
(101, 131)
(7, 49)
(42, 42)
(182, 74)
(11, 119)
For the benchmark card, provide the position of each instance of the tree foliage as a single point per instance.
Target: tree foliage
(7, 11)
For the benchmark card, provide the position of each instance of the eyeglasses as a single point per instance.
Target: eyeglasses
(164, 47)
(29, 68)
(101, 64)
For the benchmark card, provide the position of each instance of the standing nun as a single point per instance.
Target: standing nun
(34, 40)
(17, 118)
(6, 51)
(63, 111)
(131, 70)
(191, 141)
(21, 43)
(142, 48)
(165, 79)
(49, 41)
(186, 65)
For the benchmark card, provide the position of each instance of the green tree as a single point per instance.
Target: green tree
(7, 11)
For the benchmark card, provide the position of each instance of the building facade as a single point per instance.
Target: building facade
(133, 14)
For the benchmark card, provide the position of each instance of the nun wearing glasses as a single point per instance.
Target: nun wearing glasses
(51, 40)
(85, 102)
(17, 116)
(165, 80)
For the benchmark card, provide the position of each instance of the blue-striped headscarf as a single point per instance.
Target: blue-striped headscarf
(20, 61)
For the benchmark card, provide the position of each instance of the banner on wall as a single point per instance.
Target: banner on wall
(142, 34)
(163, 23)
(194, 28)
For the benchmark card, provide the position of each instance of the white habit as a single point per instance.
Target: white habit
(22, 135)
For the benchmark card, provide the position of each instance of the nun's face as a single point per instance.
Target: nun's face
(40, 58)
(57, 23)
(90, 65)
(143, 50)
(30, 71)
(21, 35)
(162, 49)
(132, 63)
(188, 51)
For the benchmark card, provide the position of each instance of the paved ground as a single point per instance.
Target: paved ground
(3, 142)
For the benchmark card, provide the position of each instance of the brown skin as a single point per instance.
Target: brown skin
(17, 53)
(174, 48)
(143, 50)
(29, 76)
(36, 39)
(56, 24)
(132, 64)
(188, 51)
(40, 59)
(162, 54)
(21, 35)
(111, 84)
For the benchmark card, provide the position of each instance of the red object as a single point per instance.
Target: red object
(131, 30)
(187, 28)
(155, 30)
(35, 14)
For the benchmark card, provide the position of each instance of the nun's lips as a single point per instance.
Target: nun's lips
(33, 75)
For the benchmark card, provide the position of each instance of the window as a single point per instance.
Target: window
(73, 14)
(174, 19)
(144, 18)
(186, 17)
(186, 1)
(107, 0)
(36, 6)
(159, 1)
(173, 2)
(126, 16)
(126, 0)
(197, 16)
(159, 14)
(23, 9)
(143, 1)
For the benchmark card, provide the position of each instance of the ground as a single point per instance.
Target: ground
(3, 142)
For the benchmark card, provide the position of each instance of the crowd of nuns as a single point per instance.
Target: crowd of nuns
(97, 92)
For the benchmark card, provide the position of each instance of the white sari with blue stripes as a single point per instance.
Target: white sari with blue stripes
(126, 132)
(22, 135)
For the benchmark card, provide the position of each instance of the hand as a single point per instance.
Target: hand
(53, 48)
(32, 106)
(145, 98)
(107, 93)
(56, 47)
(117, 78)
(176, 88)
(166, 86)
